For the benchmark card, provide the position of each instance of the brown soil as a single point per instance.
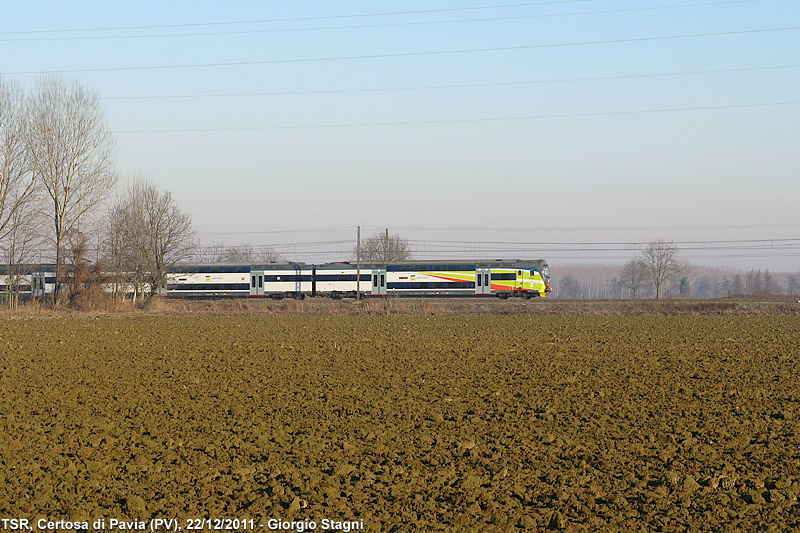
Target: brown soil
(411, 423)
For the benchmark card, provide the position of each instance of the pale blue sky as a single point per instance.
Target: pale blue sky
(567, 154)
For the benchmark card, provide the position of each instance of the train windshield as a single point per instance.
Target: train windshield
(545, 270)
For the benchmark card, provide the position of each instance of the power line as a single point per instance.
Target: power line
(308, 230)
(360, 26)
(470, 120)
(765, 246)
(457, 86)
(410, 54)
(792, 241)
(539, 229)
(596, 228)
(297, 19)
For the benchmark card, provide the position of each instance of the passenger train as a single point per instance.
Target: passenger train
(500, 278)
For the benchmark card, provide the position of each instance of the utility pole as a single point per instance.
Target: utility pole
(358, 263)
(386, 246)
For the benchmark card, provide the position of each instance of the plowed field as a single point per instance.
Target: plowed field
(409, 423)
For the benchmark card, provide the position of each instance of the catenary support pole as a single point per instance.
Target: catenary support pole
(358, 263)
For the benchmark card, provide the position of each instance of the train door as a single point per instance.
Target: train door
(37, 284)
(378, 284)
(483, 281)
(298, 280)
(257, 282)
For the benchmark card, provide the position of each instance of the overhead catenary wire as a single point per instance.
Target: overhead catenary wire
(409, 54)
(468, 120)
(520, 228)
(296, 19)
(460, 246)
(454, 86)
(349, 27)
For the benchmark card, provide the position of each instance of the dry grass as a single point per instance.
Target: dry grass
(467, 306)
(417, 306)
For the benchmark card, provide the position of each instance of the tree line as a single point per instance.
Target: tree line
(658, 271)
(59, 192)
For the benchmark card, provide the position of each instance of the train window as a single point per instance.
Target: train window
(383, 280)
(519, 272)
(375, 280)
(254, 282)
(486, 279)
(260, 280)
(478, 277)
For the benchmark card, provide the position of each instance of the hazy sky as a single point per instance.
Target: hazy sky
(539, 124)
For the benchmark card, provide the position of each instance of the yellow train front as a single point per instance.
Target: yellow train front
(502, 278)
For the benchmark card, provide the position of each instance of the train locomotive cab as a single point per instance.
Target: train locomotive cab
(544, 270)
(514, 278)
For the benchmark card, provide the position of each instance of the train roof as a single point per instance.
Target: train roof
(487, 263)
(26, 269)
(240, 266)
(233, 267)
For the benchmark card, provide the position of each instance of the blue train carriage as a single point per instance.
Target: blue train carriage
(281, 280)
(344, 280)
(33, 281)
(208, 280)
(19, 279)
(501, 278)
(43, 282)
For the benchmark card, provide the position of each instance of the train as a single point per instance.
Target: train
(501, 278)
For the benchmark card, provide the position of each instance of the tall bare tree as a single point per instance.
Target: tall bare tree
(148, 234)
(569, 287)
(16, 187)
(72, 157)
(660, 260)
(382, 247)
(633, 275)
(16, 178)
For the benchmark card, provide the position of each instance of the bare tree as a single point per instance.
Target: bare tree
(659, 258)
(383, 247)
(218, 252)
(754, 285)
(569, 287)
(18, 225)
(633, 275)
(16, 178)
(88, 279)
(71, 151)
(149, 234)
(22, 240)
(247, 253)
(792, 284)
(211, 253)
